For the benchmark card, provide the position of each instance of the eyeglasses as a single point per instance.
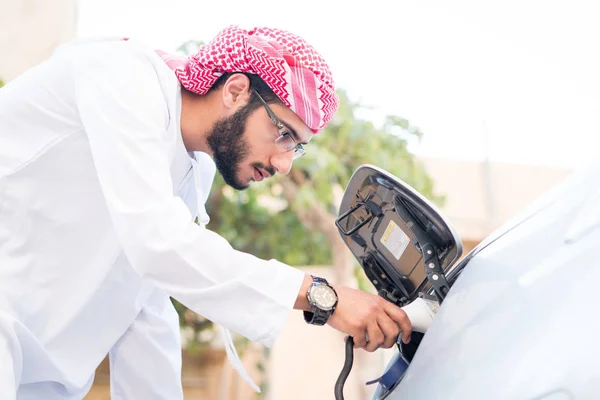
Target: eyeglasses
(285, 140)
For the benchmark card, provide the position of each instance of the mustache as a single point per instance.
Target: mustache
(269, 168)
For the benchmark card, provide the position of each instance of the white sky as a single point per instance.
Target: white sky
(525, 72)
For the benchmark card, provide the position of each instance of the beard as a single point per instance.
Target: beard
(226, 140)
(230, 148)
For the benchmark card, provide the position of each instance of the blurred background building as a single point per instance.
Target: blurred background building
(30, 30)
(480, 196)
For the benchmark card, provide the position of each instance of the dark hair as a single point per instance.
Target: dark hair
(257, 84)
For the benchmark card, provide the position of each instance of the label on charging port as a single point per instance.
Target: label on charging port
(395, 240)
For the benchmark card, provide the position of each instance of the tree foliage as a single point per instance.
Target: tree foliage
(271, 219)
(292, 218)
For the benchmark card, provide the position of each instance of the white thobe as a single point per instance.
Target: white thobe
(98, 198)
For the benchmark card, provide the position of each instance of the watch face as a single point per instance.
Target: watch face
(323, 296)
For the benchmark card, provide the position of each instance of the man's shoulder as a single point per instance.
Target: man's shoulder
(116, 55)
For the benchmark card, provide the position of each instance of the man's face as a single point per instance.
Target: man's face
(244, 147)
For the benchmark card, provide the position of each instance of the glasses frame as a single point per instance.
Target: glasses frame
(285, 136)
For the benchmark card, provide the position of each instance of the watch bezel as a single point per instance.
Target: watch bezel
(314, 302)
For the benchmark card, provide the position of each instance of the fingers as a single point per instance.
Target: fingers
(361, 315)
(376, 337)
(390, 330)
(399, 317)
(360, 340)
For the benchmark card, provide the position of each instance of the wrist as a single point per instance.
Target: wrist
(302, 300)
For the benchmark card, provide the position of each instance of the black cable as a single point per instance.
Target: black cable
(339, 384)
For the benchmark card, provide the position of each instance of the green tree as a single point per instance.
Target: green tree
(291, 218)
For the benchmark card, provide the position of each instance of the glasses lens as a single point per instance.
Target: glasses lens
(286, 142)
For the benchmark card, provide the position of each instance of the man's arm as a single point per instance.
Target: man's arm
(123, 111)
(302, 300)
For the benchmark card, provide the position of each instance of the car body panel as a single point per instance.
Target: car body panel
(519, 321)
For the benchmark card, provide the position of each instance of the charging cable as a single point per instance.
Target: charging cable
(341, 380)
(421, 313)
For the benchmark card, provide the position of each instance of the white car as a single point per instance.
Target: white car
(515, 317)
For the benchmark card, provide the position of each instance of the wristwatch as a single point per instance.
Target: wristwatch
(322, 299)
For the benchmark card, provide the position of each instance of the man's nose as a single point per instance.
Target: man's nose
(282, 162)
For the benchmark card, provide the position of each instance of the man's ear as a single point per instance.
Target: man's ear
(236, 91)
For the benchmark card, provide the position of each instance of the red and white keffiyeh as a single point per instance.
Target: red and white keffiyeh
(290, 66)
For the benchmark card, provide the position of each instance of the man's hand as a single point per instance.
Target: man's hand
(371, 320)
(363, 316)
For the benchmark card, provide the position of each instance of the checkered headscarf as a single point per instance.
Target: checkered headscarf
(291, 67)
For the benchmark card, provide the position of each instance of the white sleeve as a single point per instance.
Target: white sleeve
(123, 110)
(146, 361)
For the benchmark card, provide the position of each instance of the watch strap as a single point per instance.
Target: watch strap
(318, 279)
(317, 316)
